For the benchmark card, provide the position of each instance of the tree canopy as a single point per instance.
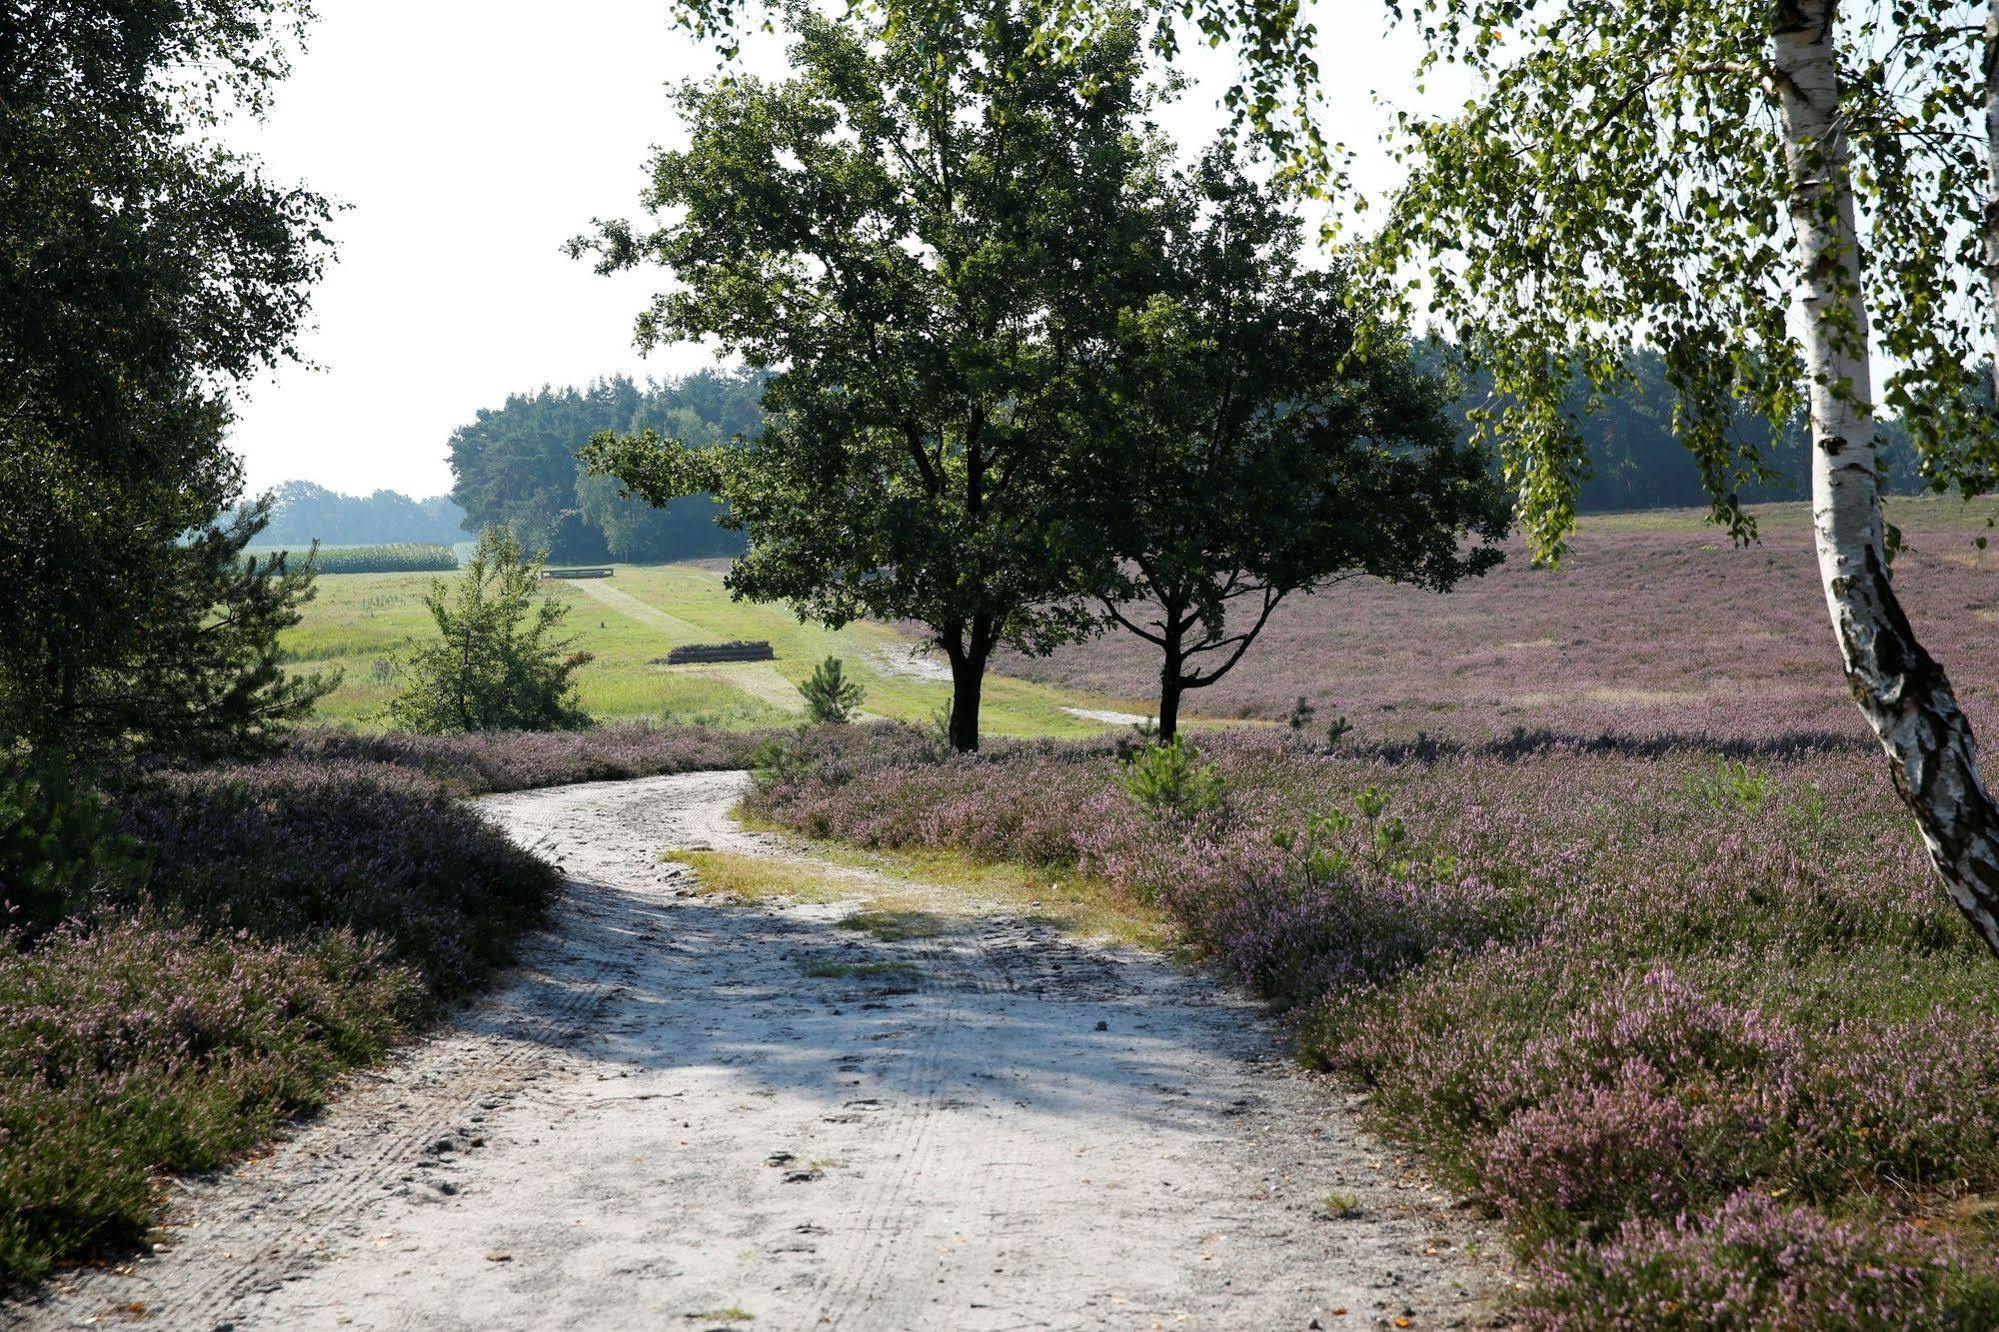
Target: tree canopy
(1249, 447)
(516, 465)
(147, 272)
(919, 234)
(303, 512)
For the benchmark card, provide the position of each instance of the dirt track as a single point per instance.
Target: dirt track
(660, 1121)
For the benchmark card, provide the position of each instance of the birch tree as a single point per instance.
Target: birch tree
(1774, 195)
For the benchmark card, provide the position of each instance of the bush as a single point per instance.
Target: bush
(1169, 781)
(60, 850)
(300, 917)
(1610, 989)
(288, 850)
(1751, 1265)
(830, 697)
(497, 664)
(483, 761)
(130, 1046)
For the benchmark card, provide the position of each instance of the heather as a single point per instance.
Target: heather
(256, 931)
(480, 762)
(1693, 1018)
(1652, 625)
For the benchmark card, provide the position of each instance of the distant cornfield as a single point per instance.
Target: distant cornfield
(409, 557)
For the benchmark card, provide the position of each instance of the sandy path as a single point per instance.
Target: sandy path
(661, 1122)
(600, 590)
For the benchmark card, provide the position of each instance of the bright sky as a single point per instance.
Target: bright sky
(470, 138)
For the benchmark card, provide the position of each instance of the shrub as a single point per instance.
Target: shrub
(1750, 1266)
(60, 850)
(1608, 1010)
(1731, 784)
(481, 761)
(496, 664)
(1170, 781)
(288, 850)
(829, 695)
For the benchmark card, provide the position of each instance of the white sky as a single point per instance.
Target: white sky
(469, 139)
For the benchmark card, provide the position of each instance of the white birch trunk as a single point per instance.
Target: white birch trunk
(1902, 692)
(1992, 178)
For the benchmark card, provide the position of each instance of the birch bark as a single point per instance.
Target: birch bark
(1992, 178)
(1901, 690)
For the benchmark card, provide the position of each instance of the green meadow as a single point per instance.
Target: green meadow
(629, 621)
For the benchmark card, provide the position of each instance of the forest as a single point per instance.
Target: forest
(516, 466)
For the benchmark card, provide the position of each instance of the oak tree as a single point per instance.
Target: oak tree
(1249, 446)
(916, 233)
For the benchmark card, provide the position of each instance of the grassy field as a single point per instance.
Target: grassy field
(630, 620)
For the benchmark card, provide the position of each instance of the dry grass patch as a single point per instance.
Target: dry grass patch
(760, 878)
(1078, 903)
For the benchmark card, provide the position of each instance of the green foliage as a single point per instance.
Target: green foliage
(776, 761)
(912, 227)
(830, 696)
(1620, 177)
(142, 627)
(1335, 843)
(148, 271)
(1294, 450)
(60, 850)
(1169, 781)
(517, 466)
(1730, 784)
(407, 558)
(497, 663)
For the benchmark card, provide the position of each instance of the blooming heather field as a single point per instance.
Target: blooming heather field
(1654, 624)
(1698, 1025)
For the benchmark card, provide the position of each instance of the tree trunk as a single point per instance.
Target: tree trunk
(1170, 690)
(1171, 683)
(1992, 178)
(968, 675)
(1901, 691)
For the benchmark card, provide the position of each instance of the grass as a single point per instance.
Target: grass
(1081, 904)
(760, 878)
(357, 621)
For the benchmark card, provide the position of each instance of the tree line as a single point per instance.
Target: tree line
(516, 466)
(303, 512)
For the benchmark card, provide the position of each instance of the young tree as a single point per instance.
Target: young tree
(830, 695)
(913, 233)
(1246, 450)
(1769, 194)
(147, 272)
(497, 663)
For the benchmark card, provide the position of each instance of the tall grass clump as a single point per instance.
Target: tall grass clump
(1717, 1057)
